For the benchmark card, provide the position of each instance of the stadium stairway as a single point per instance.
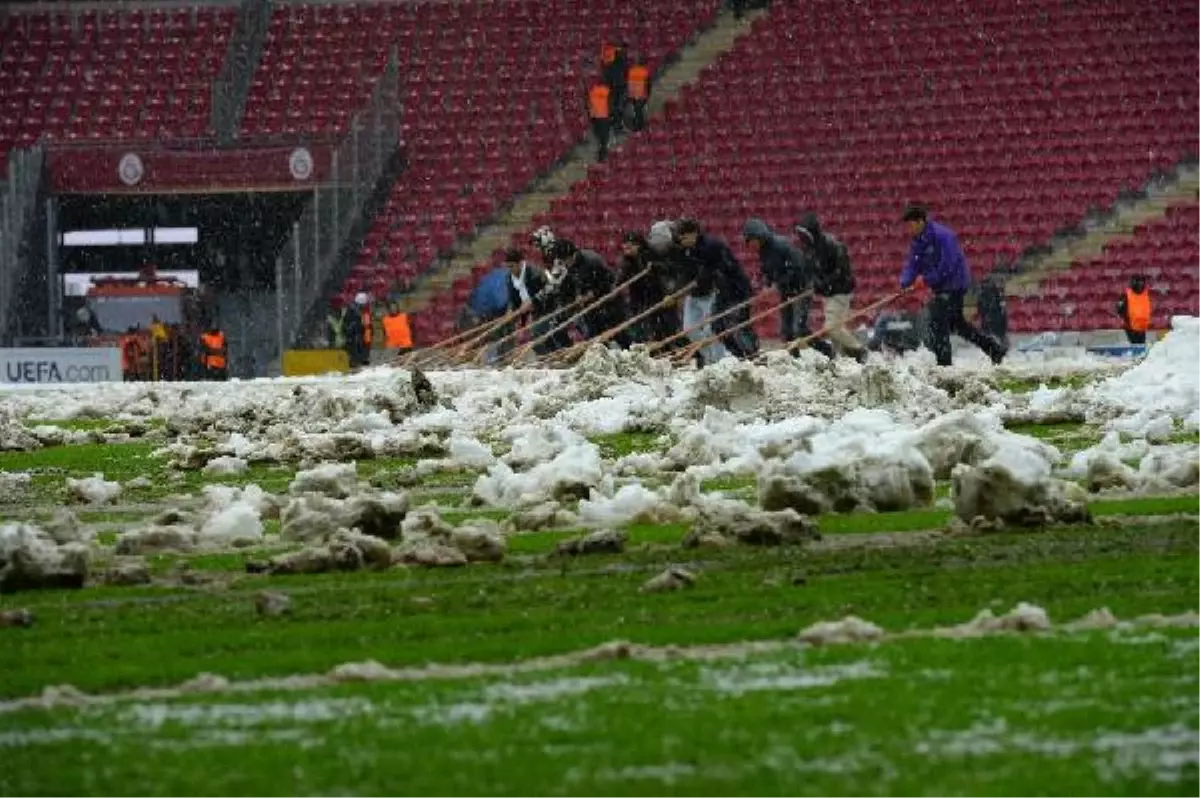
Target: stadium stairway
(1116, 225)
(708, 46)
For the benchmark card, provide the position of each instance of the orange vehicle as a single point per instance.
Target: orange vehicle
(152, 320)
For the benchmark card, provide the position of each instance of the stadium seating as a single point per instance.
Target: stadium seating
(492, 95)
(110, 74)
(1083, 297)
(1012, 120)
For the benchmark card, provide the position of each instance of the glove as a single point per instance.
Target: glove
(917, 284)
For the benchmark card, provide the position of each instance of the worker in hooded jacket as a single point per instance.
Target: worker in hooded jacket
(790, 271)
(833, 280)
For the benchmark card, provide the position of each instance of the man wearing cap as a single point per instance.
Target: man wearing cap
(936, 260)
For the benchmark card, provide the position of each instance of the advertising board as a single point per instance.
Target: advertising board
(51, 366)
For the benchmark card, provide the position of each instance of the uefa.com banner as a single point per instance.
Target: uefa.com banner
(136, 168)
(54, 366)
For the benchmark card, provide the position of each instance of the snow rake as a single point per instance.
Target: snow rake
(462, 341)
(799, 342)
(698, 326)
(477, 355)
(684, 355)
(564, 356)
(516, 358)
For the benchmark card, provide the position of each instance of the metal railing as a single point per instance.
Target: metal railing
(311, 253)
(19, 196)
(232, 85)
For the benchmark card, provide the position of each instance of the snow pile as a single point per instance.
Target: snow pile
(30, 559)
(674, 578)
(345, 550)
(424, 539)
(336, 480)
(722, 522)
(469, 452)
(313, 517)
(225, 466)
(863, 461)
(1166, 384)
(1160, 468)
(970, 437)
(15, 436)
(850, 629)
(631, 504)
(730, 384)
(547, 515)
(733, 447)
(1021, 618)
(219, 497)
(157, 538)
(572, 473)
(93, 490)
(13, 485)
(604, 541)
(1170, 467)
(1015, 486)
(236, 525)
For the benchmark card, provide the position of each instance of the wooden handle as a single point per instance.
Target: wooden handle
(690, 352)
(608, 335)
(702, 323)
(592, 306)
(861, 312)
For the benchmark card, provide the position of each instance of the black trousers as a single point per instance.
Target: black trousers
(794, 324)
(741, 343)
(601, 128)
(617, 111)
(946, 317)
(1134, 336)
(639, 115)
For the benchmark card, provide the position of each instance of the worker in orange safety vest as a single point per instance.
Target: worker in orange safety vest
(397, 334)
(1136, 310)
(599, 110)
(214, 358)
(639, 94)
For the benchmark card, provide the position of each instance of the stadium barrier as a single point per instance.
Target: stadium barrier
(315, 362)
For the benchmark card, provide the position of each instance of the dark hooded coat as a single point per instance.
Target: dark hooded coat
(832, 274)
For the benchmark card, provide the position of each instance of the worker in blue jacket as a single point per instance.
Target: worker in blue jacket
(936, 259)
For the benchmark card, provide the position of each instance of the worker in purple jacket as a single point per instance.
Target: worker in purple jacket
(936, 259)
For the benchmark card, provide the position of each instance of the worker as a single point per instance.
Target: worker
(1135, 310)
(639, 94)
(129, 355)
(397, 334)
(214, 359)
(159, 340)
(615, 76)
(360, 336)
(598, 108)
(335, 325)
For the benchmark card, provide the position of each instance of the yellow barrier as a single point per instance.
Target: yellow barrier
(310, 362)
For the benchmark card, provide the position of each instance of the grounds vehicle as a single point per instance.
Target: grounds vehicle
(155, 322)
